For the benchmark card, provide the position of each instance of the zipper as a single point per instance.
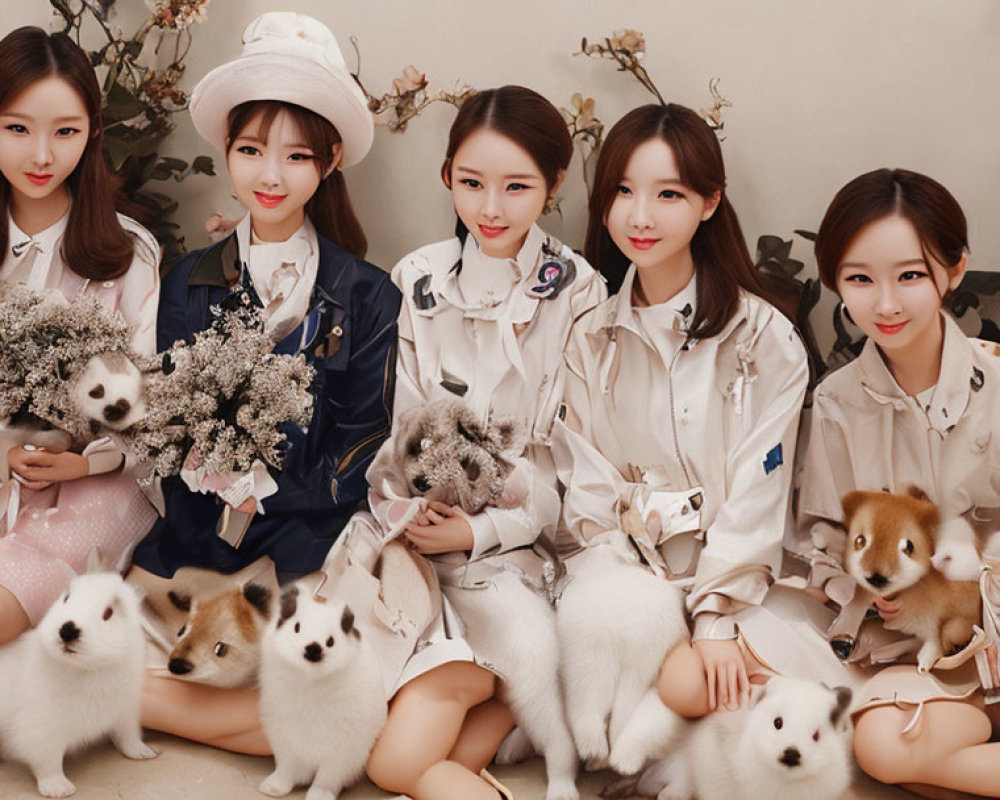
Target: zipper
(673, 415)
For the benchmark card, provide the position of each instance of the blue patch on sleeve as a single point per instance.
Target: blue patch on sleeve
(773, 459)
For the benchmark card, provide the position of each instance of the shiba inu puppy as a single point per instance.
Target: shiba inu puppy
(220, 643)
(890, 544)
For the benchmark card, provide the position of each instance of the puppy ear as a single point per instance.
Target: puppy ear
(259, 597)
(289, 602)
(181, 602)
(917, 493)
(94, 561)
(851, 502)
(838, 716)
(347, 623)
(756, 697)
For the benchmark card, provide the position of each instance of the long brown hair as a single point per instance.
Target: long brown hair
(330, 206)
(721, 259)
(95, 245)
(523, 116)
(932, 210)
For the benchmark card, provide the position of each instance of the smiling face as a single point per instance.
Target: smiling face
(498, 190)
(43, 133)
(274, 179)
(654, 216)
(893, 291)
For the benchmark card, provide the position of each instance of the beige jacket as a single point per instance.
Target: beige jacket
(866, 433)
(488, 333)
(655, 419)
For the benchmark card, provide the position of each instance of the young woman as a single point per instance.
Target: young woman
(299, 251)
(685, 388)
(62, 235)
(486, 316)
(916, 408)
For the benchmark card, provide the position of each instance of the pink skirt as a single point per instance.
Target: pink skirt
(56, 529)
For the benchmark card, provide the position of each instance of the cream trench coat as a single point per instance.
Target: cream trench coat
(867, 433)
(498, 344)
(648, 408)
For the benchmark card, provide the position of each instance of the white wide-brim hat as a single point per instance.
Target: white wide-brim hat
(295, 59)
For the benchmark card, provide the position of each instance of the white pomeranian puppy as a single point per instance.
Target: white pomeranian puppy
(793, 742)
(321, 696)
(617, 622)
(75, 679)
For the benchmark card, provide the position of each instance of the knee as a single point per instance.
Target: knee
(387, 771)
(881, 752)
(463, 683)
(681, 684)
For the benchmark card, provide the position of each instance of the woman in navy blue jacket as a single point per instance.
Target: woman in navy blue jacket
(286, 114)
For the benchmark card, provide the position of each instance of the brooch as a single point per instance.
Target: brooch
(555, 272)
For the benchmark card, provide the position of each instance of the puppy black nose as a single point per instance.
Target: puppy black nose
(420, 484)
(69, 632)
(313, 652)
(180, 666)
(116, 411)
(877, 579)
(791, 757)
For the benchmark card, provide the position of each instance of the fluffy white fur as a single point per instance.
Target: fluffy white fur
(74, 679)
(792, 743)
(513, 628)
(321, 695)
(616, 623)
(110, 392)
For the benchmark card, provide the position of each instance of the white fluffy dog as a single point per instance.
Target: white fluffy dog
(792, 743)
(321, 696)
(513, 627)
(616, 623)
(74, 679)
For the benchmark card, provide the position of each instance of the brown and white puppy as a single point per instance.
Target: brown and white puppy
(220, 642)
(890, 544)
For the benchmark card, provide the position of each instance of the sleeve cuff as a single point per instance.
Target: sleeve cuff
(709, 625)
(484, 535)
(102, 456)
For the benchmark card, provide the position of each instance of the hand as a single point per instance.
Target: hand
(39, 469)
(725, 672)
(440, 529)
(887, 609)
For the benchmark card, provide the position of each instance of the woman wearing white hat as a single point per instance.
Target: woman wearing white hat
(287, 115)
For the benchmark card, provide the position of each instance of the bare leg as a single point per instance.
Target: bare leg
(949, 748)
(485, 728)
(225, 718)
(13, 619)
(446, 779)
(425, 720)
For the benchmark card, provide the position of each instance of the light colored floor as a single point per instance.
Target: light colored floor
(186, 771)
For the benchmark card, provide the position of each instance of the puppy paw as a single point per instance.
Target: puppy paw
(276, 785)
(595, 764)
(318, 793)
(515, 748)
(626, 761)
(564, 789)
(137, 750)
(592, 745)
(957, 564)
(56, 786)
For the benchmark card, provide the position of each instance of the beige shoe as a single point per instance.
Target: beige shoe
(504, 792)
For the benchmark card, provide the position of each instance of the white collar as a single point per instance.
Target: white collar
(44, 245)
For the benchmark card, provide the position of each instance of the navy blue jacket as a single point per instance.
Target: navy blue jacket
(352, 345)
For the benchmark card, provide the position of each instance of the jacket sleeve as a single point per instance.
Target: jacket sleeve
(141, 289)
(363, 402)
(743, 544)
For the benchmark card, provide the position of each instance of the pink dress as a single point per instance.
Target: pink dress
(56, 528)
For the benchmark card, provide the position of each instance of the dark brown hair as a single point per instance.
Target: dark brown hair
(721, 259)
(932, 210)
(330, 206)
(524, 117)
(95, 245)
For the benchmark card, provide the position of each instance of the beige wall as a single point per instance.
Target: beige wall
(821, 91)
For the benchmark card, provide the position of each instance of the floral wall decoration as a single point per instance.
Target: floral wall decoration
(139, 77)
